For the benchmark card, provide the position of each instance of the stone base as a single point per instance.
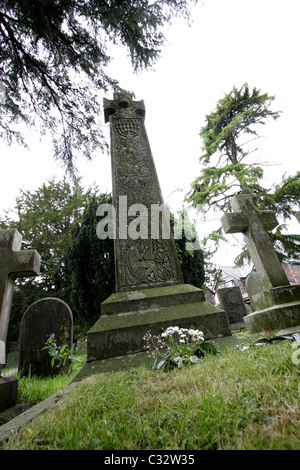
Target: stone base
(127, 316)
(129, 361)
(275, 296)
(276, 317)
(8, 392)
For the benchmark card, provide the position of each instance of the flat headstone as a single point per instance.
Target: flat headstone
(41, 319)
(233, 303)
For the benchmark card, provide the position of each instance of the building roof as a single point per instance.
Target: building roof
(238, 272)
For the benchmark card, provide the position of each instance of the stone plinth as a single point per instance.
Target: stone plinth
(129, 315)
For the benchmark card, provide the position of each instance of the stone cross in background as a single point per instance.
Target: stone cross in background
(276, 301)
(255, 225)
(13, 264)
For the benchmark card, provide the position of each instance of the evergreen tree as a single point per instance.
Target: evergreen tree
(45, 218)
(91, 262)
(228, 170)
(53, 60)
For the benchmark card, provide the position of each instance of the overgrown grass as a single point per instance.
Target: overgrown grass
(33, 389)
(236, 400)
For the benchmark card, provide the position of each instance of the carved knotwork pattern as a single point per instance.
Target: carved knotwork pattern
(142, 263)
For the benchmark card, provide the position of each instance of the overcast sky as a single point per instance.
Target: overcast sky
(230, 42)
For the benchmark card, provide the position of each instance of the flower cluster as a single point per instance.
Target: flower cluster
(176, 346)
(185, 335)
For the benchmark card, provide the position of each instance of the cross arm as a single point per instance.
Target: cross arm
(25, 263)
(124, 106)
(236, 222)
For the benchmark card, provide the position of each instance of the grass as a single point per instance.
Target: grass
(33, 389)
(237, 400)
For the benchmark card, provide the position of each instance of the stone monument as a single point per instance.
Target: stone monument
(43, 318)
(233, 303)
(13, 264)
(279, 299)
(150, 292)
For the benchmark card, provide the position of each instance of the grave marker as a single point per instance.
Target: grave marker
(255, 226)
(233, 303)
(150, 293)
(43, 318)
(279, 299)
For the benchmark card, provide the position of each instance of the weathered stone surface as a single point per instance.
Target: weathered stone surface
(13, 263)
(274, 318)
(140, 263)
(275, 301)
(122, 333)
(41, 319)
(233, 303)
(150, 293)
(8, 392)
(258, 242)
(261, 299)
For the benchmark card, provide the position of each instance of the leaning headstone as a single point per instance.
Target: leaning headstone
(233, 303)
(13, 264)
(279, 299)
(150, 291)
(43, 318)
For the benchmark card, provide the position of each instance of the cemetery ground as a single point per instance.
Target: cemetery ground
(236, 400)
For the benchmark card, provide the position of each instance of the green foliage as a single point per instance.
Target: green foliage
(188, 250)
(91, 263)
(53, 63)
(226, 145)
(61, 355)
(45, 218)
(236, 114)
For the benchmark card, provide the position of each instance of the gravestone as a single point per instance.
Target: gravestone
(233, 303)
(13, 264)
(43, 318)
(150, 291)
(279, 299)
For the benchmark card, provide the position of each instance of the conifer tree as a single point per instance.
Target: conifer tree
(229, 167)
(53, 63)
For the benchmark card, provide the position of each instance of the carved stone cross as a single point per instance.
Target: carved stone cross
(13, 263)
(145, 259)
(255, 225)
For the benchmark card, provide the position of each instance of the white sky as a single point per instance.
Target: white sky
(230, 42)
